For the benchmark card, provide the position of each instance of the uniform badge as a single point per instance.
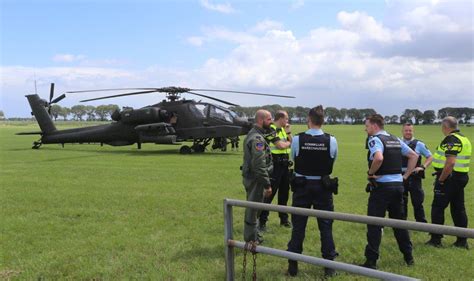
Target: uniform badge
(372, 143)
(259, 146)
(449, 146)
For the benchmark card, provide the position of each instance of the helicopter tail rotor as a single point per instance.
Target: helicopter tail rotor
(51, 96)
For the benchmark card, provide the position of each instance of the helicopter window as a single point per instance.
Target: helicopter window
(199, 109)
(220, 114)
(202, 108)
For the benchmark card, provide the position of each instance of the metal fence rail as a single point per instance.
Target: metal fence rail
(230, 243)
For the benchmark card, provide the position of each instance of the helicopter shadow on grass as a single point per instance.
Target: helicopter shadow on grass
(133, 152)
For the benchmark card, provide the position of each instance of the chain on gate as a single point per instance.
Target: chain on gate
(250, 247)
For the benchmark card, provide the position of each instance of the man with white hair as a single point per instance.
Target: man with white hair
(451, 162)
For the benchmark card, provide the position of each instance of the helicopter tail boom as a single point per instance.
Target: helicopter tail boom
(41, 114)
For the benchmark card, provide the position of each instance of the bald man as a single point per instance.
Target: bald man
(256, 171)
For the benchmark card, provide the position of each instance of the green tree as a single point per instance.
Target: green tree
(332, 114)
(343, 112)
(2, 115)
(394, 119)
(78, 111)
(55, 111)
(387, 119)
(90, 112)
(64, 113)
(428, 116)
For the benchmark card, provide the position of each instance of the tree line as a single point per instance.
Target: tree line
(84, 112)
(357, 116)
(296, 114)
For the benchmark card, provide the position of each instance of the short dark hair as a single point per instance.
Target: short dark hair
(407, 124)
(376, 119)
(316, 115)
(280, 114)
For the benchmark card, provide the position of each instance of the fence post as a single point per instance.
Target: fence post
(228, 235)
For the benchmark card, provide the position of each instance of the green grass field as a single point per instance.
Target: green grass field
(86, 212)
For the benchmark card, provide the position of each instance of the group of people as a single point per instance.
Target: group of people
(395, 171)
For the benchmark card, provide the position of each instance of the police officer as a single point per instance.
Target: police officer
(413, 184)
(280, 142)
(451, 162)
(386, 188)
(256, 169)
(314, 153)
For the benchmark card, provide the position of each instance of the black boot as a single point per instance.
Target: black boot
(329, 272)
(372, 264)
(292, 268)
(461, 243)
(409, 259)
(435, 242)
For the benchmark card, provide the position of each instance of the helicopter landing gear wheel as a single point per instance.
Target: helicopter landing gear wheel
(198, 148)
(36, 145)
(185, 150)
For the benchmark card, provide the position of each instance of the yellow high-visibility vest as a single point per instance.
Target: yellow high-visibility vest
(281, 133)
(463, 158)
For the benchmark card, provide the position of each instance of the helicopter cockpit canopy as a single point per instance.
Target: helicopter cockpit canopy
(208, 110)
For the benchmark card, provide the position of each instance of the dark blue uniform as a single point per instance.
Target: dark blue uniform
(388, 196)
(412, 185)
(314, 156)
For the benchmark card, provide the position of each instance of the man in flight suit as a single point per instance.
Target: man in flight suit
(256, 169)
(386, 187)
(413, 184)
(314, 153)
(451, 162)
(280, 142)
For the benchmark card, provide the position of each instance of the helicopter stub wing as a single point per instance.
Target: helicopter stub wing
(161, 129)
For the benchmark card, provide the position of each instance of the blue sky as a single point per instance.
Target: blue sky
(388, 55)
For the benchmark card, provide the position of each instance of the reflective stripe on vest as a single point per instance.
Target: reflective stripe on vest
(283, 136)
(462, 159)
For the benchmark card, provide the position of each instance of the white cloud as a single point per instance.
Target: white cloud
(297, 4)
(367, 26)
(68, 58)
(266, 25)
(361, 63)
(225, 8)
(195, 41)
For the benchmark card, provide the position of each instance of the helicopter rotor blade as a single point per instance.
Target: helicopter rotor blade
(213, 98)
(105, 90)
(51, 92)
(244, 93)
(56, 100)
(121, 95)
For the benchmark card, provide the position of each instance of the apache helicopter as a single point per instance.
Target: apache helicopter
(171, 121)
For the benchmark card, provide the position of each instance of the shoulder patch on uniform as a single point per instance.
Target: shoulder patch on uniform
(259, 146)
(372, 143)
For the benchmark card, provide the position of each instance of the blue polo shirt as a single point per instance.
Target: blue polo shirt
(295, 148)
(420, 149)
(375, 144)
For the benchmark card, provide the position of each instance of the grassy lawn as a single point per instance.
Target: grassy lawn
(105, 213)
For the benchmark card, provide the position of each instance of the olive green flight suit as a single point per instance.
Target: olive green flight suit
(256, 172)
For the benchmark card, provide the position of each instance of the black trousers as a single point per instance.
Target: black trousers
(312, 195)
(451, 193)
(387, 197)
(280, 181)
(412, 186)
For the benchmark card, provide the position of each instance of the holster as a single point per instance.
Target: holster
(371, 185)
(331, 184)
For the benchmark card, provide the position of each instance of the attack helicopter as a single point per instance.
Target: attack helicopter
(171, 121)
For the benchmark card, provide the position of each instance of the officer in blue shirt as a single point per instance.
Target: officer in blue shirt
(386, 187)
(413, 184)
(314, 153)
